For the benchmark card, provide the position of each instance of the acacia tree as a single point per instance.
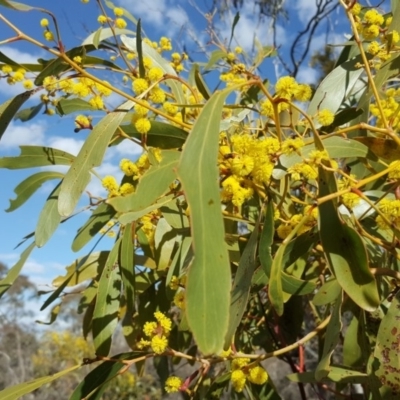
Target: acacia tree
(255, 218)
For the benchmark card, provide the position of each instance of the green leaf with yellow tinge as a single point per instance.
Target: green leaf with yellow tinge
(29, 186)
(209, 276)
(344, 249)
(387, 149)
(90, 156)
(49, 218)
(14, 271)
(17, 391)
(37, 156)
(105, 314)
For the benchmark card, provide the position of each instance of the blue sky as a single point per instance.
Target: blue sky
(181, 20)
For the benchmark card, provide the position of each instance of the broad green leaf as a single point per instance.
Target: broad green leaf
(327, 293)
(105, 33)
(82, 269)
(352, 348)
(335, 87)
(37, 156)
(15, 392)
(105, 315)
(29, 186)
(49, 218)
(164, 240)
(241, 285)
(99, 376)
(68, 106)
(127, 266)
(28, 113)
(209, 277)
(158, 61)
(152, 185)
(99, 218)
(15, 65)
(90, 156)
(216, 55)
(10, 108)
(331, 340)
(162, 135)
(267, 239)
(387, 347)
(336, 374)
(344, 250)
(275, 290)
(14, 271)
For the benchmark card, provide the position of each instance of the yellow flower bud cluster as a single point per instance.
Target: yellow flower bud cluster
(286, 88)
(157, 333)
(241, 373)
(177, 61)
(390, 105)
(13, 77)
(287, 227)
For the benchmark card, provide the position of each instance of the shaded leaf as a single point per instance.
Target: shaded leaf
(90, 156)
(105, 315)
(210, 270)
(345, 250)
(37, 156)
(105, 33)
(100, 375)
(53, 315)
(28, 113)
(127, 266)
(241, 285)
(14, 271)
(9, 108)
(29, 186)
(68, 106)
(15, 392)
(382, 148)
(99, 218)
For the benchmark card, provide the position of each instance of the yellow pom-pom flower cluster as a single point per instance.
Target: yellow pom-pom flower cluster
(157, 333)
(173, 384)
(391, 211)
(241, 373)
(390, 105)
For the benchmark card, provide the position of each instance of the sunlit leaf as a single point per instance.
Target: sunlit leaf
(49, 218)
(37, 156)
(14, 271)
(90, 156)
(105, 315)
(29, 186)
(164, 241)
(327, 293)
(15, 392)
(209, 272)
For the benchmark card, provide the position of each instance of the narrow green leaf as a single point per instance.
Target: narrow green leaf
(14, 271)
(335, 87)
(56, 294)
(99, 218)
(16, 6)
(49, 218)
(201, 84)
(336, 374)
(266, 239)
(53, 315)
(164, 238)
(96, 37)
(216, 55)
(275, 290)
(82, 269)
(105, 315)
(162, 135)
(332, 338)
(235, 21)
(68, 106)
(37, 156)
(241, 285)
(15, 392)
(209, 277)
(127, 266)
(142, 70)
(90, 156)
(10, 108)
(28, 113)
(29, 186)
(152, 185)
(158, 61)
(99, 375)
(387, 347)
(105, 33)
(345, 250)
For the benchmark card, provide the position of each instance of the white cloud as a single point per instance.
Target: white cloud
(70, 145)
(307, 74)
(149, 11)
(32, 267)
(305, 9)
(16, 135)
